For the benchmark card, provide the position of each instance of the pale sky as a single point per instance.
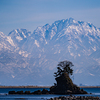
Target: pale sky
(29, 14)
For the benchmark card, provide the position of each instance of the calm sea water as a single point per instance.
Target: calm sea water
(5, 96)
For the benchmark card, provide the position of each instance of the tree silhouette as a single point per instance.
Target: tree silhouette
(64, 67)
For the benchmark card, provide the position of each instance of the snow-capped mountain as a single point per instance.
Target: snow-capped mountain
(19, 36)
(11, 62)
(66, 39)
(6, 42)
(75, 33)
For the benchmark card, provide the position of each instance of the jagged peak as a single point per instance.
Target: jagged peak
(70, 19)
(41, 29)
(65, 26)
(66, 22)
(46, 26)
(80, 22)
(20, 32)
(1, 33)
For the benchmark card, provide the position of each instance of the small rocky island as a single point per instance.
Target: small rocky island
(64, 83)
(66, 86)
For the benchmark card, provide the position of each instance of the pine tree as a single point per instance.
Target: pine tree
(64, 67)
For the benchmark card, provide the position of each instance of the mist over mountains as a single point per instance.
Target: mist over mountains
(31, 58)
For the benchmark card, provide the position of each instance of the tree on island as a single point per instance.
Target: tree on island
(64, 83)
(64, 67)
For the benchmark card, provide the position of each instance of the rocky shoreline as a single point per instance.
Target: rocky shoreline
(38, 92)
(75, 98)
(44, 91)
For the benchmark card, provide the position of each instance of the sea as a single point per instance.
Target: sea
(5, 96)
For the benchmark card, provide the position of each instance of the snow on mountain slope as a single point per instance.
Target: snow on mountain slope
(40, 51)
(7, 47)
(81, 36)
(6, 42)
(65, 39)
(19, 36)
(10, 60)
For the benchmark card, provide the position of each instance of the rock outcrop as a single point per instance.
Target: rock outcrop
(44, 91)
(65, 86)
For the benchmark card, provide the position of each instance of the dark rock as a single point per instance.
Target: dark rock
(44, 91)
(65, 86)
(37, 92)
(51, 99)
(19, 92)
(69, 92)
(27, 92)
(12, 92)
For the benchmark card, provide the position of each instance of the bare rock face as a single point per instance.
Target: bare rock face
(66, 86)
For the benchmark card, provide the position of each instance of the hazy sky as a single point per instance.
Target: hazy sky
(29, 14)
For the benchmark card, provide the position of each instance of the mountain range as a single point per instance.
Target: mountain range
(31, 58)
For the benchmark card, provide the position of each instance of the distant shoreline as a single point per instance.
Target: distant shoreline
(89, 86)
(44, 86)
(25, 86)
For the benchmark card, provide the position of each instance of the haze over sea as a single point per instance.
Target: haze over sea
(4, 94)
